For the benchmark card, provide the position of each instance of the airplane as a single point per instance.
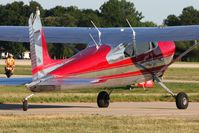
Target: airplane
(114, 57)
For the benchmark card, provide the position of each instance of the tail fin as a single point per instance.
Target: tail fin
(38, 48)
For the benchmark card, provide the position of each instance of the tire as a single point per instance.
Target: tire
(25, 105)
(103, 99)
(182, 100)
(8, 75)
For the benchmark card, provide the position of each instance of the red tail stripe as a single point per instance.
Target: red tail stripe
(47, 61)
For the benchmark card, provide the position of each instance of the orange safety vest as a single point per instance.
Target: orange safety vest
(10, 62)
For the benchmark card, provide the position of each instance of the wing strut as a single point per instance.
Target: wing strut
(134, 37)
(99, 32)
(182, 100)
(94, 40)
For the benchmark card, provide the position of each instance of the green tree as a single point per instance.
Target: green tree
(32, 8)
(60, 51)
(11, 47)
(189, 16)
(88, 15)
(172, 20)
(16, 14)
(111, 14)
(115, 13)
(148, 24)
(65, 20)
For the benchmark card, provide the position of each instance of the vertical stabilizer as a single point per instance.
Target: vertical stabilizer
(38, 48)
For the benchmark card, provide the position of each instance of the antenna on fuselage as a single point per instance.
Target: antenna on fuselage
(99, 32)
(134, 36)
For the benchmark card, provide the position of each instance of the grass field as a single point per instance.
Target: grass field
(182, 74)
(97, 124)
(19, 70)
(16, 94)
(186, 62)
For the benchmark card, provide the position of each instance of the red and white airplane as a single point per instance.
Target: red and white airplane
(119, 57)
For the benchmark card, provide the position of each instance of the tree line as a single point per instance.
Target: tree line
(111, 14)
(189, 16)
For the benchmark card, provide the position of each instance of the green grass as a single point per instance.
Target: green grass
(97, 124)
(182, 74)
(19, 70)
(176, 87)
(16, 94)
(186, 62)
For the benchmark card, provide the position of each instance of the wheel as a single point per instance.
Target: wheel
(182, 100)
(103, 99)
(25, 105)
(8, 75)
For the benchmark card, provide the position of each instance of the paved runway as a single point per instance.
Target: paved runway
(115, 109)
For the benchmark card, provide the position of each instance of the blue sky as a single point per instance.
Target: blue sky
(152, 10)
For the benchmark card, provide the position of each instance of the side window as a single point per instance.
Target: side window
(129, 51)
(125, 50)
(153, 45)
(142, 48)
(116, 54)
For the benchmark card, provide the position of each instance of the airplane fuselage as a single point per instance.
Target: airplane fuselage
(111, 71)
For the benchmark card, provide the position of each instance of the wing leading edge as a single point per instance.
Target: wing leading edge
(109, 35)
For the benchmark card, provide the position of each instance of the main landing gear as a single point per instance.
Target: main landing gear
(182, 100)
(103, 99)
(25, 102)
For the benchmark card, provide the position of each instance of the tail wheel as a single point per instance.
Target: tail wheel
(182, 100)
(8, 75)
(25, 105)
(103, 99)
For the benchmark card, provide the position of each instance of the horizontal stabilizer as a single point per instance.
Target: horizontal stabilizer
(15, 81)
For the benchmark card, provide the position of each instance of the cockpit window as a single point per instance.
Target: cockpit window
(117, 53)
(140, 48)
(125, 50)
(129, 51)
(153, 45)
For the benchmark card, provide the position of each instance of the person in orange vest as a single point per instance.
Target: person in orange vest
(10, 63)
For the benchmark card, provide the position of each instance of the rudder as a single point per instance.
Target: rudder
(38, 48)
